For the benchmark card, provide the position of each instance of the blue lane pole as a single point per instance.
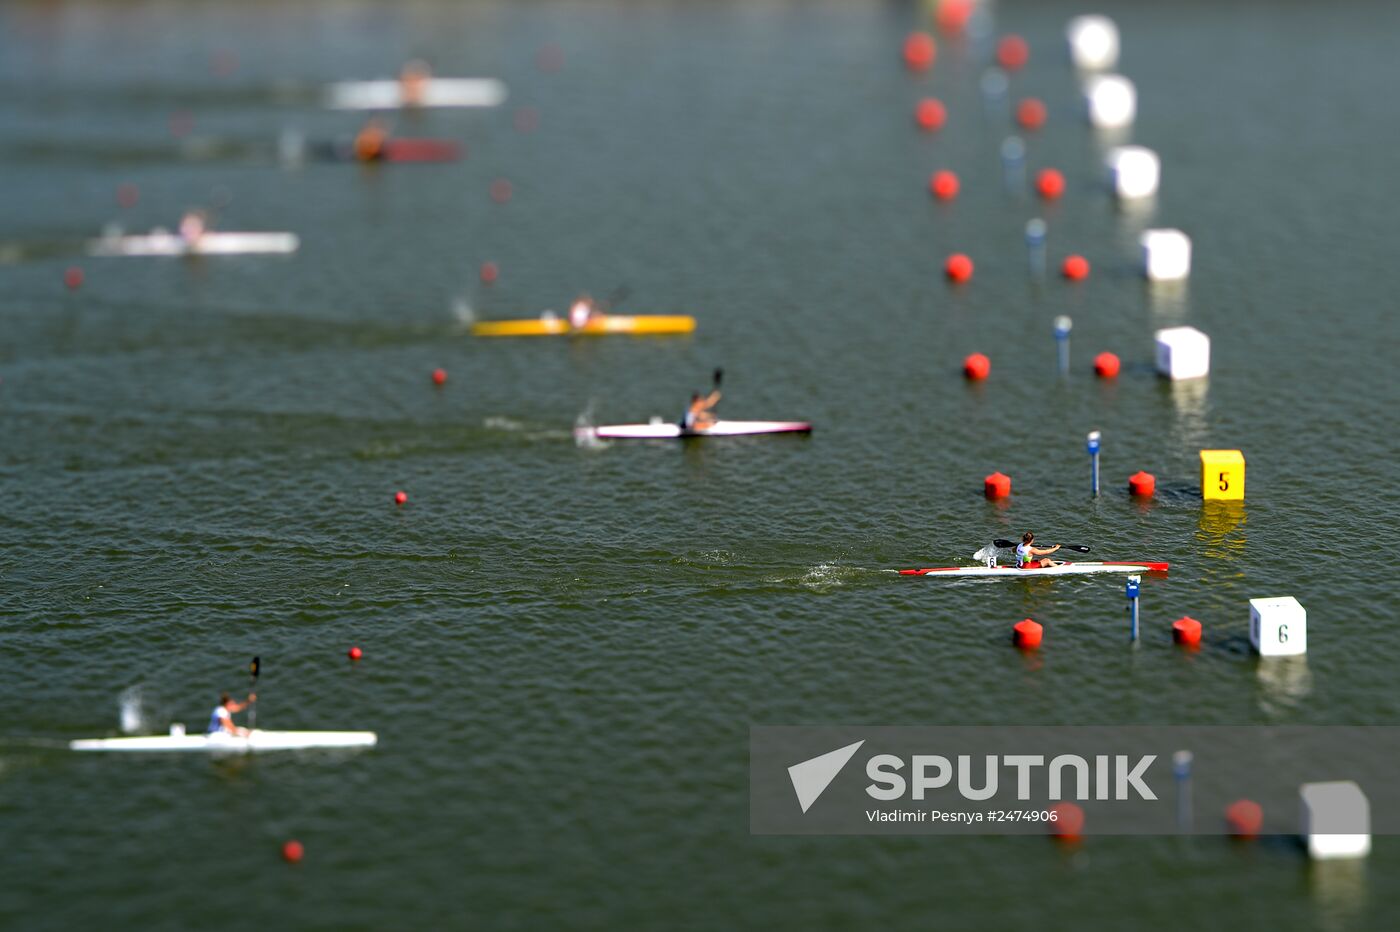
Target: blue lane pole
(1035, 246)
(1181, 771)
(1132, 591)
(1063, 325)
(1013, 164)
(1093, 446)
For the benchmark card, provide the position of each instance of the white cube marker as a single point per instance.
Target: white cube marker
(1278, 627)
(1166, 254)
(1182, 353)
(1335, 819)
(1093, 42)
(1133, 171)
(1110, 101)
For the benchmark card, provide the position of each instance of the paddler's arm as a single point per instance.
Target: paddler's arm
(713, 400)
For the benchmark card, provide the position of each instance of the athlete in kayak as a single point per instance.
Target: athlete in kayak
(1027, 553)
(583, 311)
(369, 141)
(700, 413)
(221, 719)
(192, 227)
(413, 82)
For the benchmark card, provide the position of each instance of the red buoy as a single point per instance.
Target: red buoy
(944, 184)
(1244, 818)
(489, 273)
(976, 367)
(1143, 484)
(1075, 268)
(500, 190)
(1030, 113)
(997, 485)
(1049, 184)
(1106, 366)
(400, 498)
(952, 15)
(958, 267)
(292, 851)
(73, 277)
(1066, 821)
(1186, 631)
(1026, 634)
(919, 51)
(355, 653)
(930, 114)
(439, 376)
(127, 194)
(1013, 53)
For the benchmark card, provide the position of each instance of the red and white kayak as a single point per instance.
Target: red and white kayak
(1079, 568)
(437, 92)
(660, 430)
(161, 243)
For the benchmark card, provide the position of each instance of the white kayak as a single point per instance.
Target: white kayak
(1080, 568)
(660, 430)
(437, 92)
(161, 243)
(231, 744)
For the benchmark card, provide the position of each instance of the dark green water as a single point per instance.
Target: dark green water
(565, 646)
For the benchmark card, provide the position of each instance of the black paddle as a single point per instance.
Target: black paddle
(1008, 544)
(719, 377)
(253, 669)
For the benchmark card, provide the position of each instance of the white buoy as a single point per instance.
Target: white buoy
(1110, 101)
(1182, 353)
(1166, 254)
(1133, 171)
(1278, 627)
(1335, 819)
(1093, 42)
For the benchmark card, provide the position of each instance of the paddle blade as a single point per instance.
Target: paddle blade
(1003, 543)
(1076, 547)
(719, 376)
(255, 667)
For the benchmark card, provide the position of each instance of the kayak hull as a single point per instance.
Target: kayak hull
(641, 324)
(1080, 568)
(258, 741)
(210, 244)
(664, 431)
(437, 92)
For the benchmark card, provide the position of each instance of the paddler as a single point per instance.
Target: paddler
(221, 719)
(413, 83)
(369, 141)
(1027, 554)
(583, 311)
(700, 413)
(192, 227)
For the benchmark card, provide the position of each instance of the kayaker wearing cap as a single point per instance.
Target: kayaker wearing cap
(1026, 552)
(582, 311)
(369, 141)
(700, 413)
(221, 719)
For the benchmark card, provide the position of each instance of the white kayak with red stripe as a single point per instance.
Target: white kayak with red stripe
(660, 430)
(1079, 568)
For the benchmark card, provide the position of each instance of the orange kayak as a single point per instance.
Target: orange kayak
(599, 326)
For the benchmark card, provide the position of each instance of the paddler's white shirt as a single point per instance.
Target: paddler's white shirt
(578, 315)
(1023, 554)
(220, 720)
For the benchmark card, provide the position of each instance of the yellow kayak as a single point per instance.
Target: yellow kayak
(598, 326)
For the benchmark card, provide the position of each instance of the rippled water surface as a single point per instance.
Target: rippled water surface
(565, 645)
